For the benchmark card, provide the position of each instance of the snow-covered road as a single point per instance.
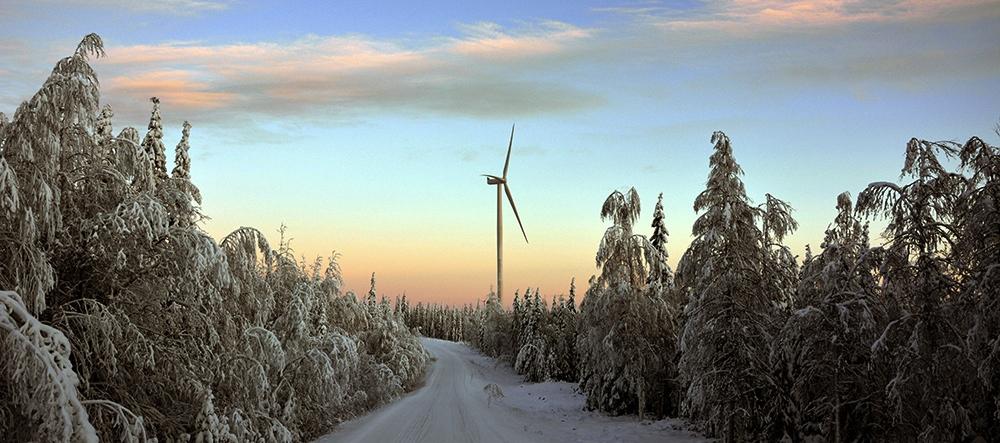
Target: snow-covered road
(453, 406)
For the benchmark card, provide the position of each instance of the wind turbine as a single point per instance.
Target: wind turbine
(501, 182)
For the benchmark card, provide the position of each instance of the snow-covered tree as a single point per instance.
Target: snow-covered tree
(153, 143)
(626, 330)
(924, 344)
(531, 356)
(37, 375)
(730, 313)
(182, 161)
(778, 265)
(370, 300)
(659, 269)
(563, 340)
(32, 152)
(104, 130)
(495, 328)
(621, 256)
(571, 301)
(822, 361)
(977, 254)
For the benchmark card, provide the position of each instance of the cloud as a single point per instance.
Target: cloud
(489, 40)
(549, 67)
(347, 74)
(753, 16)
(170, 7)
(173, 86)
(911, 69)
(912, 44)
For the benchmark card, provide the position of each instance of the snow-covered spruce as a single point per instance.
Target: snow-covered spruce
(732, 276)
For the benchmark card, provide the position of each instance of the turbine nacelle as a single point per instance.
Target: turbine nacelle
(493, 180)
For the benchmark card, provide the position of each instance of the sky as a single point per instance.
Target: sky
(364, 126)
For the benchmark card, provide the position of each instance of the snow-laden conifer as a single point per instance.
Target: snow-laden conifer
(182, 161)
(153, 143)
(659, 270)
(924, 344)
(626, 334)
(977, 253)
(730, 313)
(823, 367)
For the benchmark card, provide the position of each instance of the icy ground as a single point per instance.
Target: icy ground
(454, 406)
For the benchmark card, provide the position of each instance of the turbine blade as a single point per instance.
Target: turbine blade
(506, 164)
(510, 198)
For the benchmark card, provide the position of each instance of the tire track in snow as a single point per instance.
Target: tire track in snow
(452, 406)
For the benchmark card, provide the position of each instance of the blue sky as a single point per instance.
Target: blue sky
(364, 127)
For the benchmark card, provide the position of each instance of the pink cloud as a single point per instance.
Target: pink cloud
(441, 75)
(339, 52)
(171, 7)
(177, 87)
(489, 40)
(762, 15)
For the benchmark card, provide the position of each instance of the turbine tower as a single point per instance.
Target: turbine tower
(503, 187)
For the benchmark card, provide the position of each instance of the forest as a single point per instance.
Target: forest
(897, 342)
(121, 319)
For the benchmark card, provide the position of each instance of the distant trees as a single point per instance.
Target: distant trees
(531, 355)
(563, 360)
(128, 322)
(447, 323)
(538, 339)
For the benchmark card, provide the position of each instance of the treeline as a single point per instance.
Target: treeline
(121, 319)
(897, 342)
(537, 337)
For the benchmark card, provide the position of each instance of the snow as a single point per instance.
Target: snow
(455, 405)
